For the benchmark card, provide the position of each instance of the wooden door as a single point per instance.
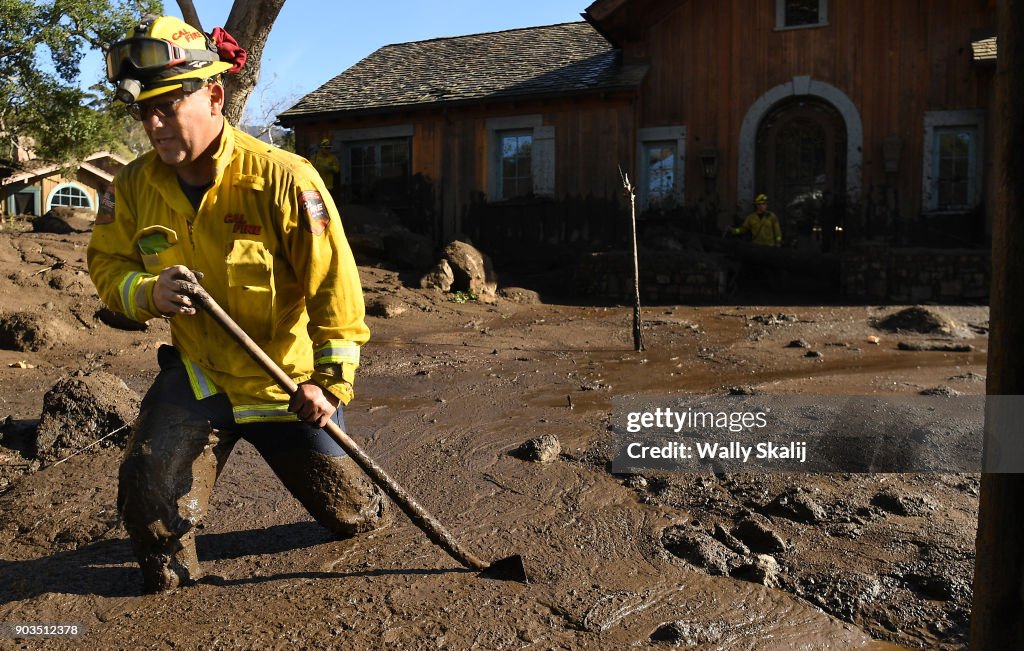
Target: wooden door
(801, 165)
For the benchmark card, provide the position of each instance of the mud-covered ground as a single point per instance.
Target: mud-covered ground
(446, 392)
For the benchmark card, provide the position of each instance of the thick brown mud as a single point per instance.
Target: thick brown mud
(445, 395)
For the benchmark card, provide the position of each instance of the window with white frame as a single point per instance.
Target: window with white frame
(660, 156)
(659, 172)
(516, 178)
(792, 14)
(521, 157)
(952, 161)
(69, 195)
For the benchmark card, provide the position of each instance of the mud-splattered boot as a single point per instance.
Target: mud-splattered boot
(333, 489)
(166, 477)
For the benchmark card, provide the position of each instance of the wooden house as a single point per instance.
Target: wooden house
(864, 122)
(40, 187)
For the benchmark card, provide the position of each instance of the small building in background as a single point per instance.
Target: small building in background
(36, 190)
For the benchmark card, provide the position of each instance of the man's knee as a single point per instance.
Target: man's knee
(334, 491)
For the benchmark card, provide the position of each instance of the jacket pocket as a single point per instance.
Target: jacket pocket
(251, 288)
(159, 248)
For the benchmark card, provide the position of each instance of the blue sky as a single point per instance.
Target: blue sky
(314, 40)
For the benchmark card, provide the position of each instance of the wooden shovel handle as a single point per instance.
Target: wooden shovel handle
(419, 516)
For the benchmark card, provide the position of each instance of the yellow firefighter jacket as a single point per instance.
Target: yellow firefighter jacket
(326, 163)
(764, 230)
(269, 242)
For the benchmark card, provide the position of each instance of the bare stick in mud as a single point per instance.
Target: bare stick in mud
(638, 338)
(510, 569)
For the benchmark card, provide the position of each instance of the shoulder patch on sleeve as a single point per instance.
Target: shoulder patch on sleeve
(105, 214)
(316, 211)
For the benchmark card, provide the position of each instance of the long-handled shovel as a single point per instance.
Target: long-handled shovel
(509, 569)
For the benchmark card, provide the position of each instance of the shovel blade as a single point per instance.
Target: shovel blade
(507, 569)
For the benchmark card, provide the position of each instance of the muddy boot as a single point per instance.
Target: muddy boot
(333, 489)
(166, 477)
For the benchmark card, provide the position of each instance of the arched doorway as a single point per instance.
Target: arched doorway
(801, 163)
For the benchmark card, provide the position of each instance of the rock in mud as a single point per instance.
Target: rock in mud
(763, 569)
(941, 390)
(472, 270)
(723, 536)
(898, 504)
(52, 223)
(922, 320)
(387, 307)
(798, 506)
(688, 634)
(542, 449)
(798, 343)
(79, 410)
(698, 549)
(29, 332)
(519, 295)
(759, 535)
(440, 277)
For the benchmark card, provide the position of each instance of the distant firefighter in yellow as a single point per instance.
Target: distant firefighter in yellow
(326, 163)
(762, 224)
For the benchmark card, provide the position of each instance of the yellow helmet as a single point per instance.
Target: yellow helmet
(761, 199)
(326, 142)
(160, 55)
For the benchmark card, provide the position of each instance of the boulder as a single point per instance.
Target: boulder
(519, 295)
(472, 270)
(698, 549)
(386, 307)
(440, 277)
(80, 409)
(63, 220)
(31, 332)
(542, 449)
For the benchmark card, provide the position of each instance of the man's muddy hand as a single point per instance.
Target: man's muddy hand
(169, 295)
(312, 404)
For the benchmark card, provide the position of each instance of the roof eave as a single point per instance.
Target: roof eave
(290, 120)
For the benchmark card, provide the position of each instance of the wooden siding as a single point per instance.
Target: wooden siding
(593, 137)
(895, 60)
(709, 63)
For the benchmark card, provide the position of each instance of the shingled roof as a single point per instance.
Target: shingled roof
(553, 60)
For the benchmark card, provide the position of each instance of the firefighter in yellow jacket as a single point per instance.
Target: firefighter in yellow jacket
(326, 163)
(258, 227)
(762, 224)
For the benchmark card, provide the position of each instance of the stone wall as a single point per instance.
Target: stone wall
(881, 274)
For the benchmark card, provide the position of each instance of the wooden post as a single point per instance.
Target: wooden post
(638, 337)
(997, 616)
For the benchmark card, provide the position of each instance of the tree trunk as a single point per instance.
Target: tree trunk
(249, 22)
(997, 617)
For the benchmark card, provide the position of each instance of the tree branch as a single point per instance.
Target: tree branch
(189, 13)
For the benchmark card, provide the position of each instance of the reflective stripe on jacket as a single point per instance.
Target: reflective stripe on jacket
(269, 242)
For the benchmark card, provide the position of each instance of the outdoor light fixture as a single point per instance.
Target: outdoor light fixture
(709, 161)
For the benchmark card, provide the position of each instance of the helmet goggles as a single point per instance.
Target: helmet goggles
(149, 56)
